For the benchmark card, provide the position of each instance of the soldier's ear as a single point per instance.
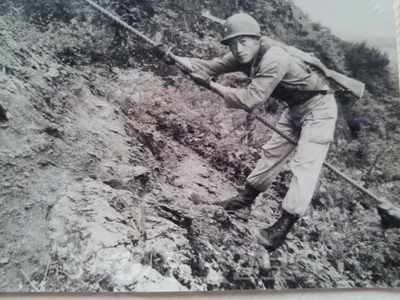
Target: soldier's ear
(258, 42)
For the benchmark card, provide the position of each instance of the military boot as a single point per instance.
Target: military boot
(274, 236)
(390, 217)
(240, 205)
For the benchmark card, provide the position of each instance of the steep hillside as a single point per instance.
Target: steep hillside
(110, 160)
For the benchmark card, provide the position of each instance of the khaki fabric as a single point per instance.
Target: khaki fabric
(273, 66)
(312, 124)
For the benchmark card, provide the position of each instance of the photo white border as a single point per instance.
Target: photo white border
(305, 294)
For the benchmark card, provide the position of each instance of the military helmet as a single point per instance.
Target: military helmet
(239, 24)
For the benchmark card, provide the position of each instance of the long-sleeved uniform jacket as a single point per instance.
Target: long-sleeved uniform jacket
(272, 66)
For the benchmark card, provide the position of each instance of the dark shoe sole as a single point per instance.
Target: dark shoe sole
(389, 218)
(264, 241)
(242, 214)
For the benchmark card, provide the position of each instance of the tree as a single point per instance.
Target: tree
(371, 66)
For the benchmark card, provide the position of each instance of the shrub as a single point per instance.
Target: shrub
(371, 66)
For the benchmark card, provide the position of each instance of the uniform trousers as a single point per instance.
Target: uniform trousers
(312, 125)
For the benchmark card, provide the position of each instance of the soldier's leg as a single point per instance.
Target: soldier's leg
(316, 135)
(306, 166)
(274, 155)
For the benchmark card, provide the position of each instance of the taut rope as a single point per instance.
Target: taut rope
(381, 202)
(180, 63)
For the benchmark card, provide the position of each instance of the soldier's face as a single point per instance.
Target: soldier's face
(244, 48)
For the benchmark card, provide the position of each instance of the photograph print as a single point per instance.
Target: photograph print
(192, 145)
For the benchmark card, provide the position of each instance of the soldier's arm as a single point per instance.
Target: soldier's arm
(217, 66)
(272, 70)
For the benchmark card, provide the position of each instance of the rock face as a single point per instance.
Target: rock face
(95, 198)
(106, 185)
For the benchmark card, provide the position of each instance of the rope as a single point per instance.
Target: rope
(328, 165)
(181, 64)
(120, 22)
(187, 68)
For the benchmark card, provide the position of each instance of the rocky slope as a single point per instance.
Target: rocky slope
(108, 176)
(93, 197)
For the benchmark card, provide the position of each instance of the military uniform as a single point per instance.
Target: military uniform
(309, 118)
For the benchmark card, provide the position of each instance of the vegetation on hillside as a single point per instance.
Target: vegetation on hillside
(337, 244)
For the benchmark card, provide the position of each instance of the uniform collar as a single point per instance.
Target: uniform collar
(254, 65)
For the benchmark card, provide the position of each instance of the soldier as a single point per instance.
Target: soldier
(309, 118)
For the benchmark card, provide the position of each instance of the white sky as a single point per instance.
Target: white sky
(352, 19)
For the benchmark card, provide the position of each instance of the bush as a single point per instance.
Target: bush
(371, 66)
(43, 12)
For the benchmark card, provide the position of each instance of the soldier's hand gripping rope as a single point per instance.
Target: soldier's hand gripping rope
(200, 77)
(163, 52)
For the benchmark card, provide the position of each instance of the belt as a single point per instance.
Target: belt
(320, 88)
(299, 96)
(302, 96)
